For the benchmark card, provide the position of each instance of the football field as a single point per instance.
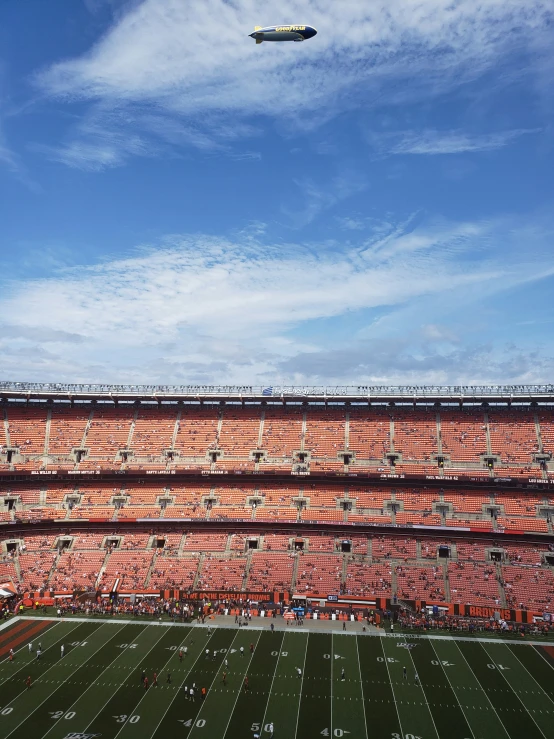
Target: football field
(350, 686)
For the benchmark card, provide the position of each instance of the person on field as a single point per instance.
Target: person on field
(155, 679)
(28, 682)
(146, 683)
(62, 650)
(169, 678)
(242, 651)
(186, 693)
(224, 681)
(180, 655)
(143, 676)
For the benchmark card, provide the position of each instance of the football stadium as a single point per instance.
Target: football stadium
(276, 365)
(346, 561)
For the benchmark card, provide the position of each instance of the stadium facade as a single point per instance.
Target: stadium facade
(384, 492)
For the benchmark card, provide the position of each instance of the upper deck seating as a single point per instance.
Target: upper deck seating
(240, 429)
(415, 433)
(282, 431)
(369, 433)
(463, 434)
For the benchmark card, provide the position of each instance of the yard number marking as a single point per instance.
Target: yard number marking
(336, 732)
(60, 714)
(444, 663)
(123, 717)
(256, 727)
(200, 723)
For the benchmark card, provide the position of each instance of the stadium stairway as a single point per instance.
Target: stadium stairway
(53, 568)
(247, 570)
(500, 578)
(447, 593)
(294, 579)
(103, 569)
(47, 433)
(151, 569)
(198, 570)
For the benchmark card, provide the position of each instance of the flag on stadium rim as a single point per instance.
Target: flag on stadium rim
(267, 391)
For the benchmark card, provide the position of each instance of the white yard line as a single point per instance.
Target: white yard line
(109, 699)
(119, 656)
(332, 655)
(238, 693)
(500, 672)
(38, 638)
(50, 695)
(301, 686)
(273, 679)
(531, 676)
(455, 693)
(53, 665)
(424, 695)
(544, 658)
(200, 654)
(392, 689)
(484, 691)
(362, 687)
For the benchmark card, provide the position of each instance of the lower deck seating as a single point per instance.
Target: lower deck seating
(489, 572)
(270, 571)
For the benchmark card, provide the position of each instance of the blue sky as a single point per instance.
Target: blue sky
(179, 204)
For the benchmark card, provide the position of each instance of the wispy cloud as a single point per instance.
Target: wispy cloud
(230, 310)
(432, 142)
(319, 197)
(161, 55)
(9, 159)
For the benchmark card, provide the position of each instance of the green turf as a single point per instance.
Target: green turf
(466, 689)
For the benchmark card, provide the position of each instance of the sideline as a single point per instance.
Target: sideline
(300, 630)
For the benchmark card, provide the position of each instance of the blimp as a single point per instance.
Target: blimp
(282, 33)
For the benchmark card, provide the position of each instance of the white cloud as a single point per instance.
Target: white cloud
(444, 142)
(191, 61)
(318, 198)
(223, 310)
